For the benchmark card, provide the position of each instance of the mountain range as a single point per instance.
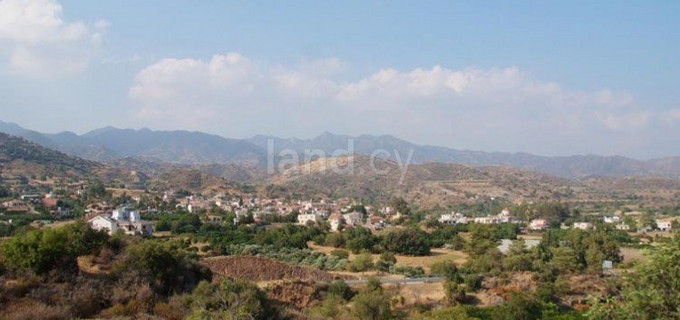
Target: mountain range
(185, 148)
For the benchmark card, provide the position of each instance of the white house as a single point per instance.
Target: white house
(505, 216)
(104, 222)
(612, 219)
(583, 225)
(486, 220)
(538, 224)
(303, 219)
(664, 225)
(453, 218)
(124, 218)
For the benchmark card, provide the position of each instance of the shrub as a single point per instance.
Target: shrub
(362, 262)
(54, 248)
(342, 254)
(455, 293)
(230, 299)
(446, 269)
(340, 289)
(371, 305)
(168, 268)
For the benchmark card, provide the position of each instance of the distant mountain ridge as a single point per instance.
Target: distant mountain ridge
(111, 144)
(577, 166)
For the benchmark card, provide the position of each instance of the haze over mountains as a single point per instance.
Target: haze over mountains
(196, 148)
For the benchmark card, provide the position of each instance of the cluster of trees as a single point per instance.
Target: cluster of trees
(370, 303)
(41, 251)
(75, 271)
(650, 292)
(178, 223)
(407, 241)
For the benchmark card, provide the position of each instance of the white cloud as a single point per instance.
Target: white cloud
(493, 109)
(39, 43)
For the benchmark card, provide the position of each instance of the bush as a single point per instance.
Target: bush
(408, 271)
(362, 262)
(388, 257)
(455, 293)
(371, 305)
(54, 248)
(230, 299)
(335, 240)
(341, 289)
(341, 254)
(446, 269)
(168, 268)
(473, 281)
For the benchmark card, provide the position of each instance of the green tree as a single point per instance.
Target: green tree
(518, 258)
(371, 305)
(412, 242)
(564, 259)
(54, 248)
(520, 306)
(651, 292)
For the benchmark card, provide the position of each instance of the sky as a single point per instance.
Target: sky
(545, 77)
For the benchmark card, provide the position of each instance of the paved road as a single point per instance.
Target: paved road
(404, 281)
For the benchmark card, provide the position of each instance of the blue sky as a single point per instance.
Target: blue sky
(548, 77)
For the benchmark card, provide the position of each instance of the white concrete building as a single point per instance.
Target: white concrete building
(124, 219)
(664, 225)
(303, 219)
(583, 225)
(612, 219)
(538, 224)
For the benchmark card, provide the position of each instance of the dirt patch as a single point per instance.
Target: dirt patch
(632, 254)
(423, 293)
(581, 287)
(504, 288)
(301, 294)
(263, 269)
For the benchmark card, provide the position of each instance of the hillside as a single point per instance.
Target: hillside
(193, 180)
(21, 157)
(440, 184)
(427, 184)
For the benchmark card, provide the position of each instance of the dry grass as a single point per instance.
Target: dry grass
(422, 293)
(632, 254)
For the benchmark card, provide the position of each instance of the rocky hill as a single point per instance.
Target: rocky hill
(21, 157)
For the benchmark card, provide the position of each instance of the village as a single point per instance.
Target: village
(125, 213)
